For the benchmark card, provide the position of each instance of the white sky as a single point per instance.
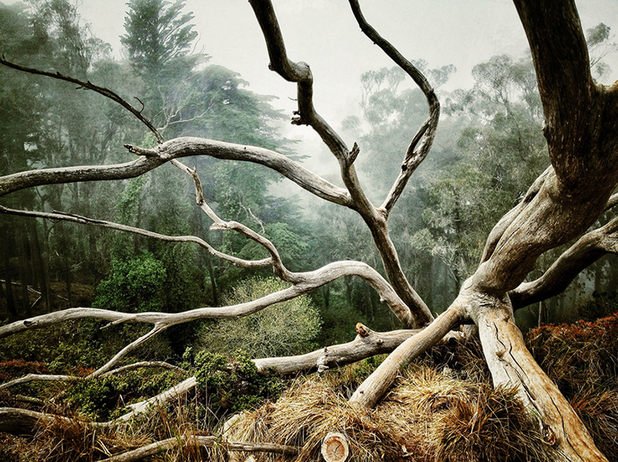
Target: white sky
(324, 34)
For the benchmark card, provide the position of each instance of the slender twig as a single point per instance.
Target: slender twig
(74, 378)
(90, 86)
(62, 216)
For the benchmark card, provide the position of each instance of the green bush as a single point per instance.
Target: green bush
(136, 284)
(104, 398)
(283, 329)
(233, 384)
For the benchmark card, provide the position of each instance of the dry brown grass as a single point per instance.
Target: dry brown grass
(582, 358)
(442, 409)
(429, 416)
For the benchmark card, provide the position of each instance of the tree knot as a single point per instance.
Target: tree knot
(362, 330)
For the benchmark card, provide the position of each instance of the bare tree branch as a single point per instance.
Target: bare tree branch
(299, 73)
(311, 280)
(426, 132)
(25, 422)
(506, 220)
(205, 441)
(367, 343)
(588, 249)
(30, 178)
(28, 378)
(371, 391)
(139, 231)
(179, 147)
(90, 86)
(157, 329)
(74, 378)
(162, 398)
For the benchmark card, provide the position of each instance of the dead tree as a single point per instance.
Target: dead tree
(560, 206)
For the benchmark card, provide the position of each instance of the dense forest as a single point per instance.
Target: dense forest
(140, 245)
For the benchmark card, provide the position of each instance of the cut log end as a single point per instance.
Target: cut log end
(335, 447)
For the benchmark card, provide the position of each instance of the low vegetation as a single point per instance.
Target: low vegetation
(442, 408)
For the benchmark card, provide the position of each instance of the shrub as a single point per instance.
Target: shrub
(282, 329)
(233, 383)
(136, 284)
(104, 397)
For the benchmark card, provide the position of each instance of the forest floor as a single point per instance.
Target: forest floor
(442, 408)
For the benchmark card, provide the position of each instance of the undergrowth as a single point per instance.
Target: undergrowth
(442, 408)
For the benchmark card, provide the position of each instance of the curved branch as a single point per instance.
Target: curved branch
(219, 224)
(176, 148)
(299, 73)
(25, 422)
(553, 217)
(139, 231)
(426, 132)
(499, 228)
(73, 378)
(588, 249)
(30, 178)
(158, 328)
(90, 86)
(306, 282)
(28, 378)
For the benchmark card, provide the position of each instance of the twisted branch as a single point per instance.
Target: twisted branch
(426, 132)
(588, 249)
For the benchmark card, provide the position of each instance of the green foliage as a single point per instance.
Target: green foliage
(157, 33)
(500, 151)
(283, 329)
(134, 285)
(105, 398)
(77, 347)
(233, 383)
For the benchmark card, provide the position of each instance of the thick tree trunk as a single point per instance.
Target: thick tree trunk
(512, 365)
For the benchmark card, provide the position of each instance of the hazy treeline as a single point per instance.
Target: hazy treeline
(490, 147)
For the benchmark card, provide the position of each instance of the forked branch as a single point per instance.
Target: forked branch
(421, 142)
(588, 249)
